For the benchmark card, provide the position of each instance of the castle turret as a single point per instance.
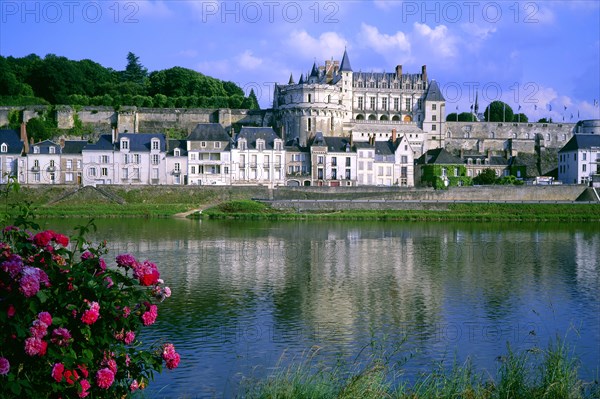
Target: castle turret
(346, 82)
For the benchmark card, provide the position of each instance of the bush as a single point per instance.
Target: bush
(70, 323)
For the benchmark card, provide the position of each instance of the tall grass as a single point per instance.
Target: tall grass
(539, 374)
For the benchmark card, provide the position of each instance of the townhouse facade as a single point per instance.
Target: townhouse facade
(579, 160)
(209, 155)
(11, 148)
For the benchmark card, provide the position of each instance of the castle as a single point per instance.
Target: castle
(337, 101)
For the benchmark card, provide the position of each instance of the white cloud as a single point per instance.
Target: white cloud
(216, 68)
(439, 38)
(480, 33)
(382, 42)
(248, 61)
(189, 53)
(327, 45)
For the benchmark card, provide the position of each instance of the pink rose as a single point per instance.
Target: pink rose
(91, 315)
(85, 385)
(5, 366)
(105, 378)
(57, 371)
(46, 318)
(129, 337)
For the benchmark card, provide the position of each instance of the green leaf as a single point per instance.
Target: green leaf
(42, 296)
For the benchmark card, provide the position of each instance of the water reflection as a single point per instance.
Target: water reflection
(246, 293)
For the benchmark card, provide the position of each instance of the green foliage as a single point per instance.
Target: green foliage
(57, 80)
(498, 111)
(70, 324)
(452, 117)
(545, 120)
(456, 175)
(39, 129)
(509, 180)
(521, 118)
(487, 176)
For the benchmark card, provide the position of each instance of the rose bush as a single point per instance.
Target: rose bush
(69, 322)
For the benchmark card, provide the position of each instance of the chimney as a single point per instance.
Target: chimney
(351, 140)
(424, 73)
(398, 70)
(24, 138)
(115, 135)
(393, 136)
(62, 143)
(462, 153)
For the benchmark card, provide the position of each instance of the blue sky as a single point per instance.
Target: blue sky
(527, 53)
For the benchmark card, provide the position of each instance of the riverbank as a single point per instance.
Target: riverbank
(253, 210)
(356, 203)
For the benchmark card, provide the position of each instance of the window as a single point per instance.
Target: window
(36, 177)
(372, 99)
(79, 164)
(433, 127)
(4, 148)
(334, 174)
(260, 145)
(347, 161)
(93, 172)
(177, 167)
(104, 159)
(52, 150)
(155, 159)
(584, 156)
(69, 164)
(434, 118)
(177, 152)
(384, 103)
(192, 156)
(310, 98)
(155, 173)
(125, 173)
(226, 170)
(360, 104)
(242, 144)
(203, 144)
(36, 164)
(403, 159)
(137, 158)
(320, 159)
(396, 103)
(126, 159)
(136, 174)
(217, 144)
(278, 145)
(36, 150)
(52, 163)
(104, 172)
(320, 174)
(193, 170)
(433, 107)
(124, 144)
(68, 177)
(348, 176)
(333, 161)
(420, 103)
(155, 144)
(584, 168)
(408, 104)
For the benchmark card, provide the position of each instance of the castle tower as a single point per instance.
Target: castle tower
(435, 110)
(347, 93)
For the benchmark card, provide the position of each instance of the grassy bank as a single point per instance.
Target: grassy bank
(543, 374)
(251, 210)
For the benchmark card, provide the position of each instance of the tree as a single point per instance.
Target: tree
(251, 102)
(38, 129)
(498, 111)
(466, 117)
(487, 176)
(522, 118)
(134, 71)
(545, 120)
(453, 117)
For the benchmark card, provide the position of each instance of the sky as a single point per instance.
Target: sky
(542, 56)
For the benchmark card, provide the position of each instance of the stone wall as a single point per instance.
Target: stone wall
(518, 137)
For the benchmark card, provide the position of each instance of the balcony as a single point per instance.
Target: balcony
(35, 168)
(51, 169)
(176, 172)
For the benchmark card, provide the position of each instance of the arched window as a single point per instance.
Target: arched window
(395, 118)
(372, 117)
(383, 118)
(360, 117)
(3, 148)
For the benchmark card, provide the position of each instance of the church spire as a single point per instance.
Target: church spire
(345, 66)
(291, 81)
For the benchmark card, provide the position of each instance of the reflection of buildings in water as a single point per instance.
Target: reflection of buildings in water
(587, 262)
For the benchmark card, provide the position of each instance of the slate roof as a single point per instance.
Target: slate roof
(174, 144)
(44, 147)
(434, 93)
(74, 146)
(580, 141)
(209, 132)
(493, 160)
(12, 139)
(345, 66)
(251, 134)
(338, 144)
(439, 156)
(138, 142)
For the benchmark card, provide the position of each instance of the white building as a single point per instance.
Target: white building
(71, 161)
(258, 157)
(333, 161)
(177, 162)
(43, 162)
(579, 159)
(126, 158)
(209, 160)
(11, 149)
(385, 163)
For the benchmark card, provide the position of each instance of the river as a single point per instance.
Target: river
(249, 297)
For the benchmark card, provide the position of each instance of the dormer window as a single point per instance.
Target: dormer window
(203, 144)
(3, 148)
(177, 152)
(124, 144)
(52, 150)
(217, 144)
(36, 149)
(260, 144)
(242, 144)
(155, 144)
(278, 145)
